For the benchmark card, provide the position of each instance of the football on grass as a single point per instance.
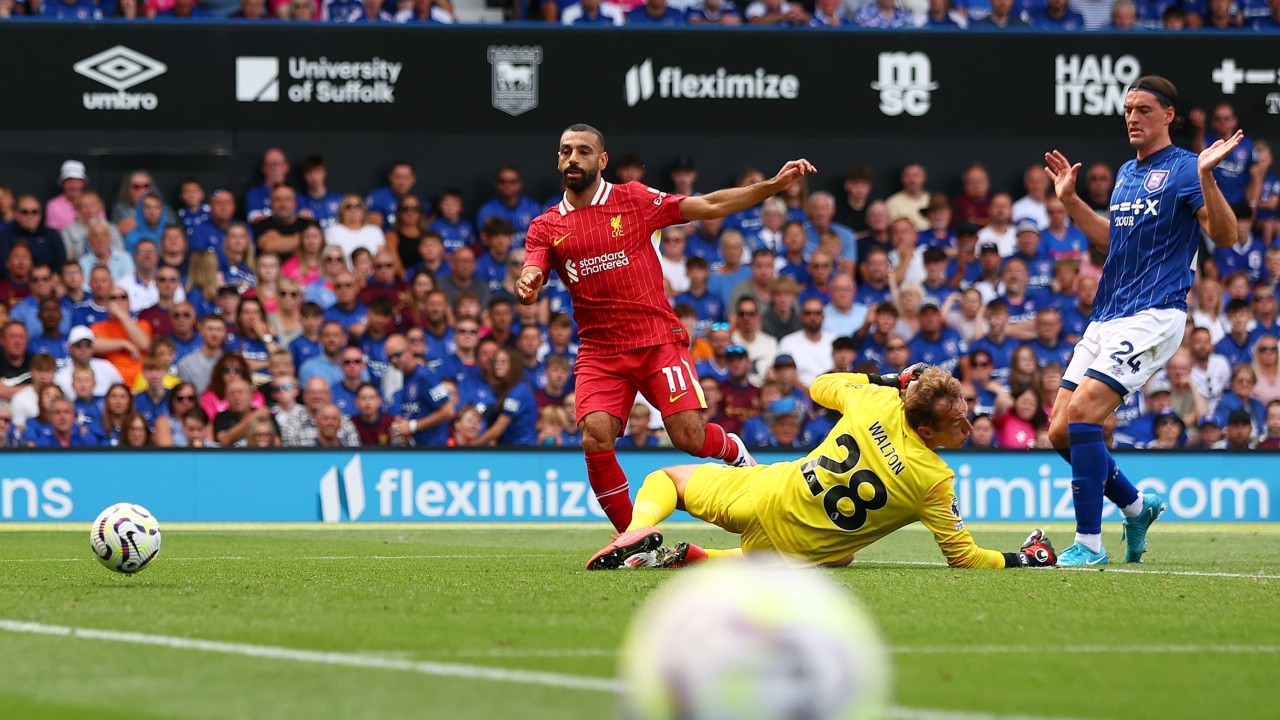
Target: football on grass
(125, 537)
(733, 640)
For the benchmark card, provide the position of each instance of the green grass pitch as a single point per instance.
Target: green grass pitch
(313, 622)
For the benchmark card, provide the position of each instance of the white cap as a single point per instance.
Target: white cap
(72, 170)
(78, 333)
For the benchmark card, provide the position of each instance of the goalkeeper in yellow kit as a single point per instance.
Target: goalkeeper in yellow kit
(874, 473)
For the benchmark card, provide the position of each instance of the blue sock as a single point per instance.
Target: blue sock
(1118, 489)
(1089, 465)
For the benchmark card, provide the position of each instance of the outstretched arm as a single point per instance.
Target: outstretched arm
(730, 200)
(1216, 216)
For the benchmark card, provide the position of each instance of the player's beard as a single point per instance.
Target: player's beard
(580, 183)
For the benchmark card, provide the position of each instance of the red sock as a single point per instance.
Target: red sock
(718, 445)
(609, 484)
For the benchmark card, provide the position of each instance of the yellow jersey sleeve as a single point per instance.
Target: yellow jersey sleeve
(940, 512)
(830, 390)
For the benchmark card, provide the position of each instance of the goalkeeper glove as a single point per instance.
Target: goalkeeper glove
(1037, 551)
(900, 380)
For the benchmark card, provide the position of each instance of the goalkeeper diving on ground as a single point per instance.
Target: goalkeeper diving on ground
(876, 471)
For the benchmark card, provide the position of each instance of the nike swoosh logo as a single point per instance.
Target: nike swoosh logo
(1093, 562)
(561, 239)
(674, 398)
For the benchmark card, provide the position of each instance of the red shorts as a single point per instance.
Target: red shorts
(662, 373)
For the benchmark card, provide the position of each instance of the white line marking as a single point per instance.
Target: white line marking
(438, 669)
(471, 672)
(1106, 569)
(928, 650)
(305, 558)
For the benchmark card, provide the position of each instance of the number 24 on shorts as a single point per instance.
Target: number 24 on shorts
(854, 520)
(1127, 349)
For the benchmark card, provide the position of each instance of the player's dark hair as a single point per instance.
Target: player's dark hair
(583, 127)
(1164, 90)
(495, 225)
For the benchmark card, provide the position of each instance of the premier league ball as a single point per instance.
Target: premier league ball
(740, 641)
(125, 537)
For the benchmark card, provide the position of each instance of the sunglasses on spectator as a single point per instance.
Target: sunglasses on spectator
(233, 370)
(982, 364)
(117, 297)
(285, 386)
(410, 208)
(970, 398)
(352, 361)
(465, 331)
(1268, 348)
(38, 278)
(182, 314)
(395, 355)
(83, 343)
(344, 285)
(141, 185)
(29, 211)
(380, 266)
(811, 312)
(720, 326)
(897, 347)
(166, 279)
(184, 398)
(333, 258)
(289, 293)
(352, 206)
(747, 313)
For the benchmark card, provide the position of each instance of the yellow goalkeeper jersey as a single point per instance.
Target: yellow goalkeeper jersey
(870, 476)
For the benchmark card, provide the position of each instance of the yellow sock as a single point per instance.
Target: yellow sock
(714, 554)
(655, 501)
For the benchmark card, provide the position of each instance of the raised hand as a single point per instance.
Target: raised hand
(527, 287)
(1062, 173)
(793, 171)
(1217, 152)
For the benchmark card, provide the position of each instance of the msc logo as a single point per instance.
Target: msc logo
(906, 83)
(257, 79)
(350, 496)
(673, 82)
(515, 77)
(615, 225)
(120, 68)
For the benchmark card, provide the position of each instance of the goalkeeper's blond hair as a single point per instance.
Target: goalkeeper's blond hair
(930, 397)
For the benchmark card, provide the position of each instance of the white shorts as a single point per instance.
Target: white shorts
(1125, 352)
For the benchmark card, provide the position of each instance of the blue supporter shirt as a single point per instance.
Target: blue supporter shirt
(723, 285)
(1025, 310)
(816, 430)
(1069, 22)
(1270, 189)
(1234, 352)
(1001, 356)
(375, 357)
(423, 393)
(696, 245)
(343, 11)
(944, 352)
(183, 348)
(1249, 256)
(1129, 412)
(536, 376)
(626, 441)
(928, 239)
(88, 412)
(55, 346)
(522, 408)
(236, 273)
(1060, 353)
(255, 350)
(1257, 411)
(87, 313)
(557, 295)
(972, 272)
(192, 219)
(345, 399)
(257, 202)
(28, 311)
(709, 308)
(454, 235)
(1039, 272)
(303, 350)
(520, 216)
(796, 271)
(1232, 173)
(670, 18)
(80, 437)
(870, 296)
(77, 10)
(492, 271)
(151, 409)
(324, 208)
(1073, 242)
(873, 351)
(746, 221)
(440, 346)
(1154, 235)
(755, 431)
(206, 237)
(708, 369)
(355, 316)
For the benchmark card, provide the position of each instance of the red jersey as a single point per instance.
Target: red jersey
(607, 257)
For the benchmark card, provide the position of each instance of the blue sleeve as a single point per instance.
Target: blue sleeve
(1189, 192)
(516, 400)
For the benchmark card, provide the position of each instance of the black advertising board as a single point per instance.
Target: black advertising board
(277, 77)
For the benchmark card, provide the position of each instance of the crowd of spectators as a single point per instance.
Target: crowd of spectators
(990, 15)
(297, 315)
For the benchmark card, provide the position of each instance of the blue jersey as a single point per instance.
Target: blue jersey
(384, 200)
(755, 431)
(1232, 173)
(1234, 352)
(627, 441)
(492, 271)
(1039, 272)
(80, 437)
(1001, 356)
(51, 345)
(816, 430)
(708, 306)
(1249, 257)
(972, 272)
(520, 216)
(1270, 189)
(423, 394)
(696, 245)
(345, 399)
(183, 348)
(708, 369)
(342, 11)
(943, 352)
(1073, 242)
(257, 202)
(205, 237)
(375, 357)
(641, 18)
(454, 235)
(1073, 322)
(1154, 235)
(303, 350)
(357, 315)
(522, 408)
(192, 219)
(88, 412)
(151, 409)
(77, 10)
(1070, 21)
(1060, 353)
(1026, 310)
(86, 313)
(324, 208)
(440, 346)
(870, 296)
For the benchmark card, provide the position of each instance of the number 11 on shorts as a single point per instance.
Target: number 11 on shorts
(674, 378)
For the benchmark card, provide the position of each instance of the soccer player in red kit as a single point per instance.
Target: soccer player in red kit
(599, 238)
